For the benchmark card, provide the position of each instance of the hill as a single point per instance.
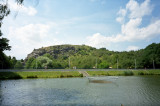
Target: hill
(83, 56)
(61, 50)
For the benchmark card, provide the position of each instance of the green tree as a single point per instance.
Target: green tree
(18, 65)
(4, 11)
(4, 43)
(29, 63)
(4, 61)
(13, 62)
(103, 65)
(48, 55)
(56, 65)
(45, 62)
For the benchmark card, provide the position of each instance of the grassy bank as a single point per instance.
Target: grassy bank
(66, 74)
(39, 74)
(124, 73)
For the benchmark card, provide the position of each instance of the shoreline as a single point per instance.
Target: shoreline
(70, 74)
(125, 72)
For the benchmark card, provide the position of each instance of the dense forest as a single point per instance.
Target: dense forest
(86, 57)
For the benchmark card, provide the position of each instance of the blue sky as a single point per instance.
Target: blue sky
(120, 25)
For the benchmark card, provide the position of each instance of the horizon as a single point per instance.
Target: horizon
(117, 26)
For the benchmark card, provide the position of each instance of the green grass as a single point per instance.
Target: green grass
(39, 74)
(124, 73)
(66, 74)
(147, 72)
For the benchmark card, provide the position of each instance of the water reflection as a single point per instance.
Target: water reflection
(132, 90)
(106, 79)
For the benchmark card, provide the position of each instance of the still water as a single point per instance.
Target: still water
(132, 90)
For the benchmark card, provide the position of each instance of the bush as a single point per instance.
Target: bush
(141, 73)
(103, 65)
(81, 75)
(16, 77)
(69, 76)
(61, 76)
(128, 73)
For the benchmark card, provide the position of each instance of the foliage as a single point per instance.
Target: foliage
(4, 42)
(31, 63)
(103, 65)
(13, 61)
(18, 65)
(128, 73)
(86, 57)
(45, 62)
(4, 61)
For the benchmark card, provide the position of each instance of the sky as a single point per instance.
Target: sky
(118, 25)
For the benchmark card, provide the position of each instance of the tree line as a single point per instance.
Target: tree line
(86, 57)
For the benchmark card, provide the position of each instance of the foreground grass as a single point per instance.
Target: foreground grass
(124, 73)
(39, 74)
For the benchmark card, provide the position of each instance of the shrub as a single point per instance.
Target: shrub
(141, 73)
(69, 76)
(61, 76)
(16, 77)
(128, 73)
(81, 75)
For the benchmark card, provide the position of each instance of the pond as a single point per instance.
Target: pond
(131, 90)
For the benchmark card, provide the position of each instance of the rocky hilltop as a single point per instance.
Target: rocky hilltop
(59, 50)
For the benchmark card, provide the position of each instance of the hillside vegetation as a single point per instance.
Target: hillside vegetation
(86, 57)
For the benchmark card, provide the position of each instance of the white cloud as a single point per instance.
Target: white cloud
(32, 33)
(134, 10)
(122, 14)
(56, 32)
(21, 8)
(139, 10)
(133, 33)
(130, 31)
(24, 39)
(97, 40)
(132, 48)
(120, 20)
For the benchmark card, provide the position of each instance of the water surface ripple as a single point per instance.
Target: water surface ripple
(131, 90)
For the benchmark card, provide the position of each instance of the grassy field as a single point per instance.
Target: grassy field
(39, 74)
(124, 73)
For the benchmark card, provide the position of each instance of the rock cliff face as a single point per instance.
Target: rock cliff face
(59, 50)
